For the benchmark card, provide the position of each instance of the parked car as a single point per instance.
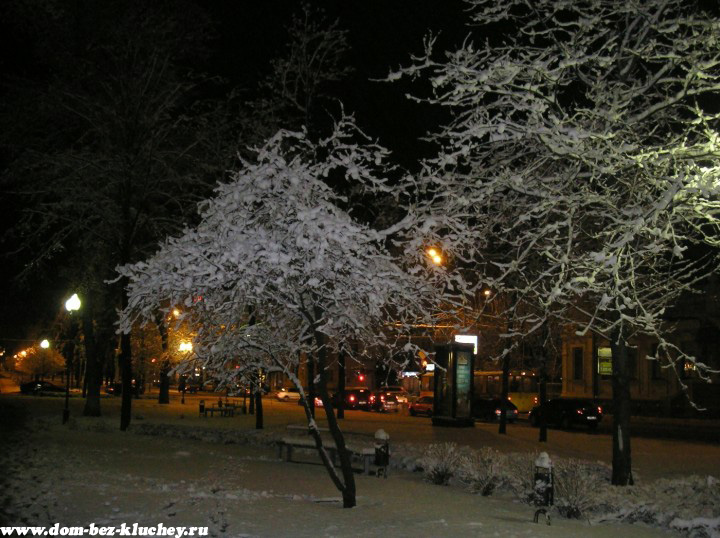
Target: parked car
(356, 398)
(38, 387)
(422, 406)
(400, 393)
(489, 409)
(384, 401)
(567, 412)
(318, 401)
(287, 394)
(116, 388)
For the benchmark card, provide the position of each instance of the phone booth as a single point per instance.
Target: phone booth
(453, 391)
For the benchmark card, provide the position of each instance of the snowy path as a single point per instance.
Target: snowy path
(76, 477)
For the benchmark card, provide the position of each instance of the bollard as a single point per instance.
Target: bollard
(544, 487)
(202, 407)
(382, 452)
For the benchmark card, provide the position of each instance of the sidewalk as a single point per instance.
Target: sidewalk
(75, 477)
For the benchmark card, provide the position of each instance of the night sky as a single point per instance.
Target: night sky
(382, 35)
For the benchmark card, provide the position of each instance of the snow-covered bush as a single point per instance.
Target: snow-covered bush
(689, 505)
(577, 484)
(481, 470)
(440, 462)
(517, 474)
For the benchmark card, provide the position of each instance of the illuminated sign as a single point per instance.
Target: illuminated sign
(468, 339)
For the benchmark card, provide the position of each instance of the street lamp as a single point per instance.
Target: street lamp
(72, 304)
(45, 344)
(435, 256)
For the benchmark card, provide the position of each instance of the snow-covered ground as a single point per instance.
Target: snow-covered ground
(90, 472)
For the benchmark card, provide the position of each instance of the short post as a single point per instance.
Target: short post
(544, 487)
(202, 407)
(382, 452)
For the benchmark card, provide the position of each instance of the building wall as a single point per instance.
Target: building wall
(649, 382)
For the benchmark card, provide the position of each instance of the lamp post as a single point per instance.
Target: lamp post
(72, 304)
(184, 347)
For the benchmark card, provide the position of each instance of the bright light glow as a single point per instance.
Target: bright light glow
(45, 344)
(468, 339)
(176, 313)
(435, 256)
(430, 367)
(73, 303)
(487, 293)
(185, 346)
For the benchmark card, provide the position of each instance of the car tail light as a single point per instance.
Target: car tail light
(515, 411)
(509, 398)
(580, 412)
(599, 409)
(497, 411)
(372, 399)
(351, 398)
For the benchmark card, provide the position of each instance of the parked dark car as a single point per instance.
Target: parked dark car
(422, 406)
(384, 401)
(116, 388)
(489, 409)
(567, 412)
(38, 387)
(356, 398)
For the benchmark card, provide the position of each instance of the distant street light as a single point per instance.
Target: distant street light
(71, 305)
(185, 346)
(435, 256)
(45, 344)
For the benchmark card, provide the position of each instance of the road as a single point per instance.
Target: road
(652, 457)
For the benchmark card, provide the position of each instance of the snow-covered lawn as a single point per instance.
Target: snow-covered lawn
(90, 472)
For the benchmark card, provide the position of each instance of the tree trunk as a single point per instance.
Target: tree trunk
(311, 384)
(540, 357)
(341, 384)
(125, 370)
(252, 398)
(164, 392)
(93, 363)
(502, 428)
(126, 378)
(541, 360)
(258, 410)
(621, 461)
(347, 486)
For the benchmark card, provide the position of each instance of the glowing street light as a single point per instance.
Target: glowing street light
(71, 305)
(185, 346)
(435, 256)
(45, 344)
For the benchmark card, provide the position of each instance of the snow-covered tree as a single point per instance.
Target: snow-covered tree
(579, 169)
(276, 271)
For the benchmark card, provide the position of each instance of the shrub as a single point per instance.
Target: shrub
(440, 461)
(576, 486)
(517, 474)
(481, 470)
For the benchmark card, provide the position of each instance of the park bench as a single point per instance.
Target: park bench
(221, 410)
(365, 455)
